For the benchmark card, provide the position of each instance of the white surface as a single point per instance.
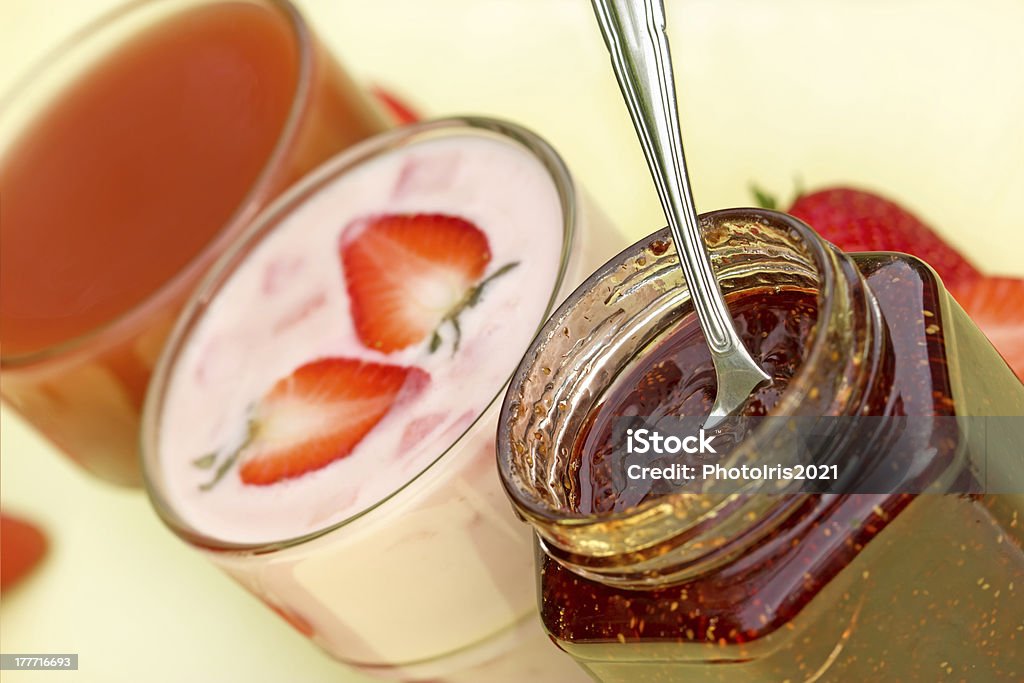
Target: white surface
(920, 98)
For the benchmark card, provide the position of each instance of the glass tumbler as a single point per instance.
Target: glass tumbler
(130, 158)
(403, 557)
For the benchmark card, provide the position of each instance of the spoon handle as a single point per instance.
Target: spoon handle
(644, 69)
(634, 31)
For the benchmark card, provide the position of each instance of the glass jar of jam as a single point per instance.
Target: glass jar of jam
(908, 569)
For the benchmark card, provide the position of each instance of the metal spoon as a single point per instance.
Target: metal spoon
(634, 31)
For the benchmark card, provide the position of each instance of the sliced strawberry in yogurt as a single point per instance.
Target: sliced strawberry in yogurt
(301, 311)
(281, 272)
(407, 275)
(316, 415)
(419, 429)
(427, 174)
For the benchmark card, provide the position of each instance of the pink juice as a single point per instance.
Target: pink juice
(128, 161)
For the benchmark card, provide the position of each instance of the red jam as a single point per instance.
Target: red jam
(945, 596)
(678, 378)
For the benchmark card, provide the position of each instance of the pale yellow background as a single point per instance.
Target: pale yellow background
(920, 98)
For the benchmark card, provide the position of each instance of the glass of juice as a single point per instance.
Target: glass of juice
(321, 424)
(129, 159)
(900, 559)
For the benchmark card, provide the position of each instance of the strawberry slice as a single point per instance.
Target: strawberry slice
(994, 303)
(22, 546)
(314, 416)
(856, 220)
(407, 275)
(317, 415)
(401, 112)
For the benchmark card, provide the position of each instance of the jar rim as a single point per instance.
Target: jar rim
(655, 520)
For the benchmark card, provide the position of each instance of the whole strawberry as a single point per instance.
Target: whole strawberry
(994, 303)
(856, 220)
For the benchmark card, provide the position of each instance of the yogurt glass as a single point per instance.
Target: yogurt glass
(400, 557)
